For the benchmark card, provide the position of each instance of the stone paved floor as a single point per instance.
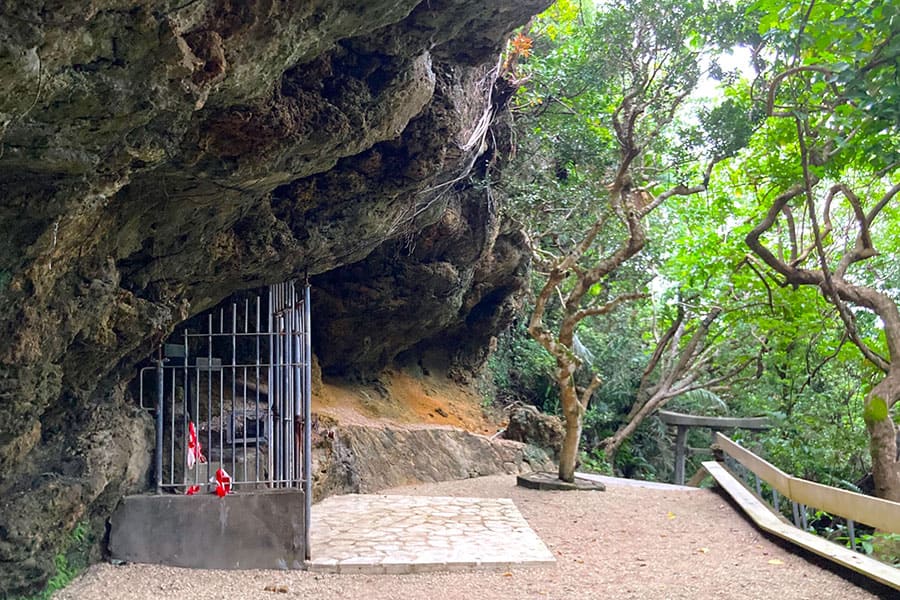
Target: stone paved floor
(411, 534)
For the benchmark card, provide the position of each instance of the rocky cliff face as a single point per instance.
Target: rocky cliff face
(156, 156)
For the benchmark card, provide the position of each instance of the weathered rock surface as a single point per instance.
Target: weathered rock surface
(361, 459)
(463, 272)
(529, 425)
(156, 156)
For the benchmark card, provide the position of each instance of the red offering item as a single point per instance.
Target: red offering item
(223, 483)
(192, 490)
(194, 449)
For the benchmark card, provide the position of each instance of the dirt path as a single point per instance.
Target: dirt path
(627, 542)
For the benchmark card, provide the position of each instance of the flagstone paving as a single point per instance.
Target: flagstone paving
(413, 534)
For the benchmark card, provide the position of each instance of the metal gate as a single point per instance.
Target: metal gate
(232, 400)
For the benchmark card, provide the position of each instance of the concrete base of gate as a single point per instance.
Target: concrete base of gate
(252, 530)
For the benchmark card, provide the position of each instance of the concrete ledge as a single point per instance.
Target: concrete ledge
(251, 530)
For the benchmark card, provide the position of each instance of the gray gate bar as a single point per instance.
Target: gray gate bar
(307, 418)
(250, 411)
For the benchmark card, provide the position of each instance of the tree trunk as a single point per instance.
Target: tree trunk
(612, 444)
(568, 456)
(883, 436)
(572, 412)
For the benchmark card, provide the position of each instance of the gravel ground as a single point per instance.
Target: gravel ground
(627, 542)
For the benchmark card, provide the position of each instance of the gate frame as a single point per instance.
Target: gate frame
(289, 389)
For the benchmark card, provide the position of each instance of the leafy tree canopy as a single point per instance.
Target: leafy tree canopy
(816, 108)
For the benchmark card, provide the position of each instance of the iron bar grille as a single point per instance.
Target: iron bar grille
(243, 382)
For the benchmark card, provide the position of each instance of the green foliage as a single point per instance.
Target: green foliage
(520, 370)
(837, 64)
(65, 573)
(699, 402)
(70, 562)
(882, 546)
(829, 77)
(811, 392)
(858, 46)
(648, 454)
(728, 127)
(595, 462)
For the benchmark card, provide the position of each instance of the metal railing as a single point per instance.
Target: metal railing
(235, 397)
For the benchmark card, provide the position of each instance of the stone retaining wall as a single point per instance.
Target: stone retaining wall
(358, 459)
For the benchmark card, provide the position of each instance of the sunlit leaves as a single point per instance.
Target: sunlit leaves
(852, 50)
(563, 18)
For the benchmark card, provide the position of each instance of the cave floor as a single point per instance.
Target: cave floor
(413, 534)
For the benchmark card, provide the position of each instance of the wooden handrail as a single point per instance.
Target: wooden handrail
(763, 469)
(882, 514)
(768, 521)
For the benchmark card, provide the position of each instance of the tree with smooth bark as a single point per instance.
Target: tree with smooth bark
(638, 64)
(839, 288)
(682, 362)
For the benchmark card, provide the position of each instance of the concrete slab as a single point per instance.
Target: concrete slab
(253, 530)
(412, 534)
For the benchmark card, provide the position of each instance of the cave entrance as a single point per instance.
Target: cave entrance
(231, 397)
